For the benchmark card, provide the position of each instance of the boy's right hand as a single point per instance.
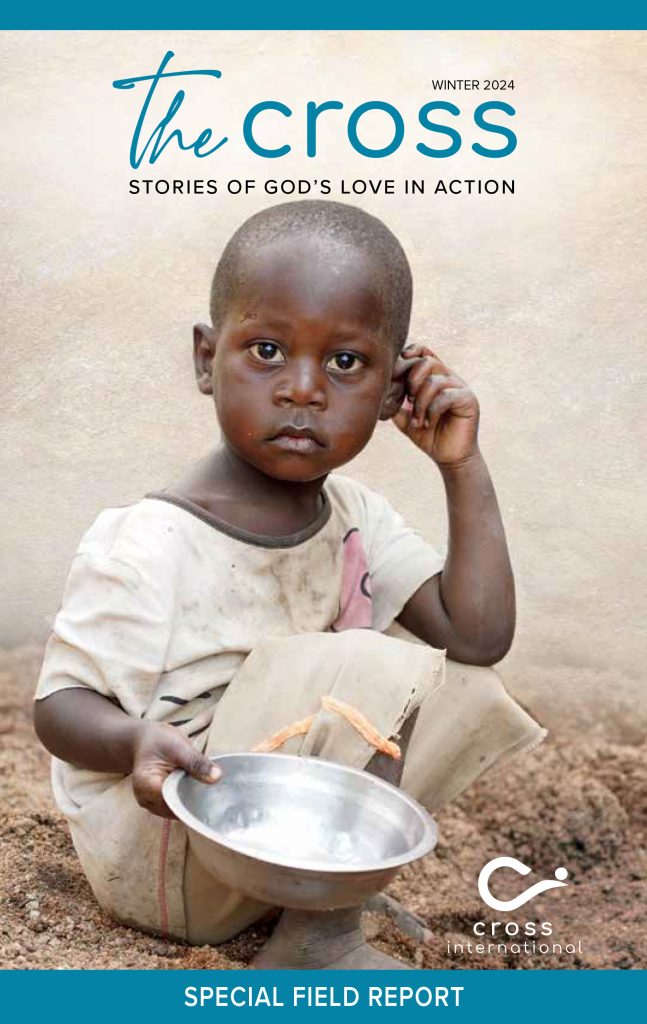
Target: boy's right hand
(158, 750)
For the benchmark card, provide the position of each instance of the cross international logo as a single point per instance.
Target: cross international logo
(514, 938)
(522, 869)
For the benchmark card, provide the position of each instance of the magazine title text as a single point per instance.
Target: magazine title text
(440, 123)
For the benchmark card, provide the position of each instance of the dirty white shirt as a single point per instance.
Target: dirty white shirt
(164, 601)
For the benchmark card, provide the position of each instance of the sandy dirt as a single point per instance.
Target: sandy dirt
(576, 802)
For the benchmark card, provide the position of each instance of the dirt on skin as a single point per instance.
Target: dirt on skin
(576, 802)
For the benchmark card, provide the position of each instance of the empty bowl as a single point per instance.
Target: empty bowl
(299, 831)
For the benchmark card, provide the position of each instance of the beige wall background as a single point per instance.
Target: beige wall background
(537, 299)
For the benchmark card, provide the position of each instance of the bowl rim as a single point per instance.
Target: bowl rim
(424, 846)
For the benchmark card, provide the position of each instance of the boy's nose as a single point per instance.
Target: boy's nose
(301, 385)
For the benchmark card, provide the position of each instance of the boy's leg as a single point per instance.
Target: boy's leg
(215, 913)
(333, 939)
(463, 728)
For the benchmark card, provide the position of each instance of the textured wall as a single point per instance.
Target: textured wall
(537, 299)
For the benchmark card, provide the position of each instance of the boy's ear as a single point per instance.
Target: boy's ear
(393, 399)
(204, 349)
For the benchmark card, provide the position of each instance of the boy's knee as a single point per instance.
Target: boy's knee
(476, 686)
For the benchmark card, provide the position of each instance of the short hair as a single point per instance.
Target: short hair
(342, 225)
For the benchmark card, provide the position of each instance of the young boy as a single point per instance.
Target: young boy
(208, 617)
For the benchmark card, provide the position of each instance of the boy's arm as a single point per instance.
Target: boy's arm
(86, 729)
(469, 608)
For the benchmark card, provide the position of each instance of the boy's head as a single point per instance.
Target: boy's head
(310, 307)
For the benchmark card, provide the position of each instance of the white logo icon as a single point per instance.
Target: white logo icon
(522, 869)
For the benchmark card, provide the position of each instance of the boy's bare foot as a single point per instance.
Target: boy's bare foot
(322, 940)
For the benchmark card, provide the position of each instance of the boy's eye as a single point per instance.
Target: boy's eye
(344, 362)
(268, 351)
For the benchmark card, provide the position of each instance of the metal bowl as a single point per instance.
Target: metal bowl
(299, 831)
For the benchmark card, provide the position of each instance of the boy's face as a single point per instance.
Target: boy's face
(301, 367)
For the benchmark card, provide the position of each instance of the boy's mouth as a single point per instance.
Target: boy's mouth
(297, 439)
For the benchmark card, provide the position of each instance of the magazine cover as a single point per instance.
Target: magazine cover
(323, 440)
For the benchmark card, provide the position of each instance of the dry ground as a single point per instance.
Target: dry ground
(576, 802)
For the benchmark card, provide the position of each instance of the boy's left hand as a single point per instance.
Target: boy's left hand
(440, 412)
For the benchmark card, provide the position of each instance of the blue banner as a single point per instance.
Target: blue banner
(101, 997)
(336, 14)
